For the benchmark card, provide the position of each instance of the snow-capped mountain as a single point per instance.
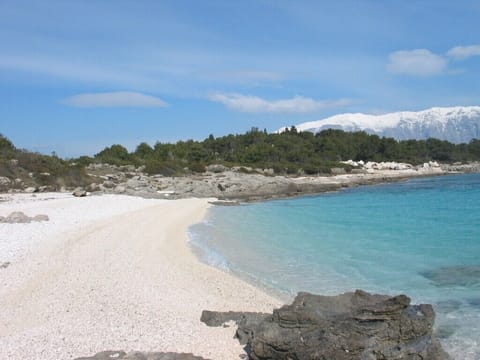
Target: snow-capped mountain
(455, 124)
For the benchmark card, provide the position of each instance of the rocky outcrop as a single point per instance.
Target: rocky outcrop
(136, 355)
(239, 182)
(350, 326)
(218, 181)
(18, 217)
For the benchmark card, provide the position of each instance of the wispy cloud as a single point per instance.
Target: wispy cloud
(423, 62)
(114, 99)
(419, 62)
(255, 104)
(74, 70)
(464, 52)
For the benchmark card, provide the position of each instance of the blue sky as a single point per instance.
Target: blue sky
(76, 76)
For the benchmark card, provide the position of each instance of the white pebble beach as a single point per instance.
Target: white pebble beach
(112, 272)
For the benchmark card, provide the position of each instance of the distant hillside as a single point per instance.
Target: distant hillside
(290, 152)
(454, 124)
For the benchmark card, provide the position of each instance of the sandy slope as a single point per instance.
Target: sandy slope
(112, 272)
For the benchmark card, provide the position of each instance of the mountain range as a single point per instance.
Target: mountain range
(457, 124)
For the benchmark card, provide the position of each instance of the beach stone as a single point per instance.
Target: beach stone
(17, 217)
(350, 326)
(40, 217)
(79, 192)
(31, 190)
(137, 355)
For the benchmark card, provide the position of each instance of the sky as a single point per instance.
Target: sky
(77, 76)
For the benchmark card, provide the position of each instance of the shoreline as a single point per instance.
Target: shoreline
(237, 185)
(449, 343)
(127, 281)
(261, 184)
(284, 295)
(37, 325)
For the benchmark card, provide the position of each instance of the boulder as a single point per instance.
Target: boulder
(108, 184)
(349, 326)
(4, 182)
(136, 355)
(120, 189)
(93, 187)
(338, 171)
(79, 192)
(31, 190)
(216, 168)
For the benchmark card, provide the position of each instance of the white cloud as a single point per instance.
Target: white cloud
(114, 99)
(419, 62)
(463, 52)
(255, 104)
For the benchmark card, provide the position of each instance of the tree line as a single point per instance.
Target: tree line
(289, 152)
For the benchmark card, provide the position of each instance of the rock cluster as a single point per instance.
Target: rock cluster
(238, 183)
(136, 355)
(18, 217)
(349, 326)
(218, 181)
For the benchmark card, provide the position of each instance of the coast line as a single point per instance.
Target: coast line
(128, 281)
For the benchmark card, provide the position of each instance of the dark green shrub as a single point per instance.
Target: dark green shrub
(197, 167)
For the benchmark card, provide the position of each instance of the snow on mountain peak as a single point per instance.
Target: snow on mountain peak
(455, 124)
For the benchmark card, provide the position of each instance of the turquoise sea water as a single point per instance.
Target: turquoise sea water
(420, 237)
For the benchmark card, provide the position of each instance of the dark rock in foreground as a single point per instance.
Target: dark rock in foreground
(109, 355)
(349, 326)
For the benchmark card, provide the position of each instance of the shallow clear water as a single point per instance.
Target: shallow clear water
(420, 237)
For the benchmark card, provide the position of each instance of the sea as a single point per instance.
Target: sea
(419, 237)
